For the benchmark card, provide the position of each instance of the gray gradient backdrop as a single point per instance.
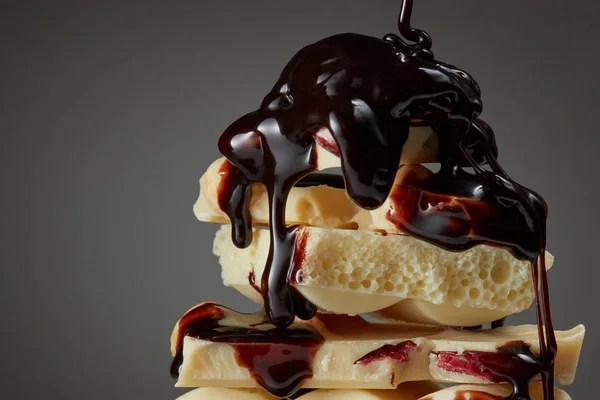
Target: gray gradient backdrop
(110, 112)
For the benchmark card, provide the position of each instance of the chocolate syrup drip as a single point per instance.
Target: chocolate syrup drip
(499, 323)
(278, 359)
(457, 210)
(548, 344)
(367, 92)
(233, 195)
(299, 393)
(422, 48)
(513, 363)
(204, 312)
(299, 253)
(331, 180)
(469, 328)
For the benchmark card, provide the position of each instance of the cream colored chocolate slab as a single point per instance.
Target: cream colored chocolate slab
(353, 272)
(317, 206)
(478, 392)
(347, 339)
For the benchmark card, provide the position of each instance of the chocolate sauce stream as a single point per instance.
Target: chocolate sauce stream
(499, 323)
(233, 195)
(545, 328)
(278, 359)
(367, 92)
(422, 38)
(331, 180)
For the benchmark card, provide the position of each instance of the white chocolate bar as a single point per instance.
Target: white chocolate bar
(354, 272)
(317, 206)
(349, 339)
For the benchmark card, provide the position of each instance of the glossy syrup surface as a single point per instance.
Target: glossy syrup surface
(278, 359)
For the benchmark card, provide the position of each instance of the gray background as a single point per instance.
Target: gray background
(110, 112)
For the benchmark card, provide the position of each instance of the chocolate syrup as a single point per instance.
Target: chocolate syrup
(233, 195)
(296, 275)
(299, 393)
(368, 92)
(499, 323)
(278, 359)
(513, 363)
(458, 210)
(332, 180)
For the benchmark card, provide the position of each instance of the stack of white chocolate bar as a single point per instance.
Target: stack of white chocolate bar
(378, 282)
(354, 262)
